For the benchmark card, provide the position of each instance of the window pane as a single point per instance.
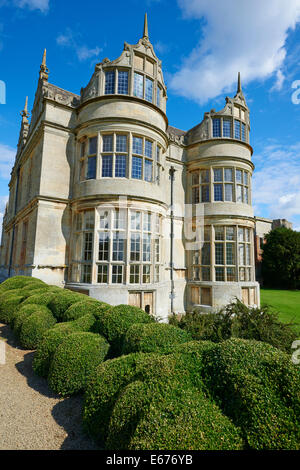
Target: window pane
(147, 222)
(103, 253)
(218, 196)
(121, 144)
(239, 196)
(238, 176)
(93, 145)
(138, 85)
(158, 92)
(137, 145)
(146, 247)
(205, 272)
(134, 274)
(118, 247)
(102, 274)
(120, 218)
(136, 168)
(107, 143)
(135, 247)
(149, 90)
(237, 129)
(157, 153)
(146, 274)
(241, 234)
(195, 195)
(104, 220)
(123, 82)
(148, 148)
(245, 178)
(109, 83)
(91, 168)
(195, 178)
(228, 192)
(148, 170)
(86, 273)
(120, 166)
(196, 274)
(218, 174)
(219, 233)
(217, 127)
(219, 274)
(204, 176)
(229, 233)
(135, 220)
(246, 195)
(230, 274)
(228, 174)
(88, 247)
(107, 161)
(226, 128)
(241, 254)
(243, 132)
(230, 253)
(205, 193)
(219, 253)
(205, 254)
(89, 220)
(117, 274)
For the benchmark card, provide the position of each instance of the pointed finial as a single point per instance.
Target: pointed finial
(25, 112)
(239, 88)
(44, 71)
(145, 33)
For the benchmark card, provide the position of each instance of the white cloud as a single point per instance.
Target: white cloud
(69, 39)
(247, 37)
(7, 158)
(276, 184)
(42, 5)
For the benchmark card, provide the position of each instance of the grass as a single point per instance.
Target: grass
(286, 302)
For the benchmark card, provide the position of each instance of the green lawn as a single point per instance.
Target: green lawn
(286, 302)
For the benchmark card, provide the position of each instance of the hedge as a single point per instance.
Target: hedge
(62, 301)
(259, 388)
(113, 375)
(153, 337)
(34, 327)
(18, 282)
(43, 298)
(80, 309)
(75, 359)
(9, 302)
(53, 338)
(114, 323)
(168, 416)
(19, 316)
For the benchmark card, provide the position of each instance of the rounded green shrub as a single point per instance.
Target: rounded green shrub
(9, 302)
(81, 308)
(19, 316)
(62, 301)
(18, 282)
(33, 288)
(34, 326)
(258, 387)
(54, 337)
(113, 375)
(42, 298)
(75, 359)
(168, 416)
(114, 323)
(153, 337)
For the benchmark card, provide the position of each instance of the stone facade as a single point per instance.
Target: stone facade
(107, 198)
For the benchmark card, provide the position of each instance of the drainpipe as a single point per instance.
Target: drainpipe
(13, 229)
(172, 293)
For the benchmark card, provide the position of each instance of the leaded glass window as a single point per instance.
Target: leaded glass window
(109, 83)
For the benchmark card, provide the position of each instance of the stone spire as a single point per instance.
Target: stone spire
(24, 126)
(145, 32)
(25, 113)
(239, 87)
(44, 71)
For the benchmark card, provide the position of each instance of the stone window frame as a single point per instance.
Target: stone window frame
(196, 184)
(196, 264)
(79, 264)
(116, 71)
(156, 163)
(243, 131)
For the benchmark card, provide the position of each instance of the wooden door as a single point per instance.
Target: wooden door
(135, 299)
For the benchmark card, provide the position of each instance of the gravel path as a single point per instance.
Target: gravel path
(31, 416)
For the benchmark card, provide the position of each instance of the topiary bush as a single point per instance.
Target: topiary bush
(81, 308)
(54, 337)
(258, 387)
(238, 321)
(18, 282)
(19, 316)
(9, 302)
(110, 378)
(163, 416)
(153, 337)
(62, 301)
(113, 324)
(34, 327)
(75, 359)
(43, 298)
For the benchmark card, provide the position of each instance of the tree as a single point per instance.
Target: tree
(281, 259)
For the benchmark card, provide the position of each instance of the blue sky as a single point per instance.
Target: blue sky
(202, 44)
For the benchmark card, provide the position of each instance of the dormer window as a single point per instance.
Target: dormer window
(138, 85)
(226, 127)
(123, 82)
(217, 127)
(149, 90)
(110, 82)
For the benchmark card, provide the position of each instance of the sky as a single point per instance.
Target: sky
(203, 44)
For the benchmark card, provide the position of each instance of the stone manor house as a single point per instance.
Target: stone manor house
(108, 199)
